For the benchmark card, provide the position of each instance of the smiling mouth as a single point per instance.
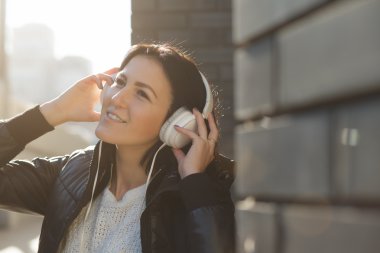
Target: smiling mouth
(114, 117)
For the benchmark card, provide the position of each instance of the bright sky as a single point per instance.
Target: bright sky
(98, 30)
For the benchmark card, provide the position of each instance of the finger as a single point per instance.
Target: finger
(95, 116)
(179, 155)
(186, 132)
(105, 79)
(97, 80)
(202, 129)
(111, 71)
(214, 133)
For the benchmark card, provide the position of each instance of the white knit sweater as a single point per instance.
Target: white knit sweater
(111, 227)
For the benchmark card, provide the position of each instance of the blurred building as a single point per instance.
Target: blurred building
(32, 64)
(69, 70)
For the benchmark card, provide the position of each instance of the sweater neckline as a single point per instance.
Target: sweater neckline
(129, 196)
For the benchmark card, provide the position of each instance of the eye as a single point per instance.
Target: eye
(120, 81)
(143, 94)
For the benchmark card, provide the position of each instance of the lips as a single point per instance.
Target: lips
(115, 117)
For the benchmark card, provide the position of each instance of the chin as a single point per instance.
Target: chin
(102, 135)
(106, 136)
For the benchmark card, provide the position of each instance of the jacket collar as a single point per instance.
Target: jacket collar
(165, 179)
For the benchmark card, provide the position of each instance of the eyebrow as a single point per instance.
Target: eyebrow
(144, 85)
(140, 84)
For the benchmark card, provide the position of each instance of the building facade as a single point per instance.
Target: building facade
(307, 102)
(203, 28)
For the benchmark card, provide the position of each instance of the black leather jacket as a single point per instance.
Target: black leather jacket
(195, 214)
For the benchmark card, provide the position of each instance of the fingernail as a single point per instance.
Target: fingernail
(176, 126)
(195, 109)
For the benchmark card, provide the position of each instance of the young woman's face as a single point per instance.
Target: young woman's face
(135, 105)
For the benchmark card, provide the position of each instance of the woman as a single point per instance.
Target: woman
(131, 192)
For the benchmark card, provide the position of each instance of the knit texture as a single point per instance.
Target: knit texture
(111, 227)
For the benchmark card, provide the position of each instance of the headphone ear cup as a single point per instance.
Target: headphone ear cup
(169, 135)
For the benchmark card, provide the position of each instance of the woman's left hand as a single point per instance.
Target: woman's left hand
(201, 152)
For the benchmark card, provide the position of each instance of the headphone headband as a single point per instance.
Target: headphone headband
(209, 99)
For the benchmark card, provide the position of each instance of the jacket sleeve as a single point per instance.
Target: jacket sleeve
(24, 185)
(210, 213)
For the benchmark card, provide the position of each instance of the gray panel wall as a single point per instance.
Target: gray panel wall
(254, 78)
(357, 148)
(307, 101)
(333, 53)
(260, 230)
(288, 157)
(254, 17)
(331, 230)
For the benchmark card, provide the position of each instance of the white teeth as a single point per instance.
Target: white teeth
(115, 117)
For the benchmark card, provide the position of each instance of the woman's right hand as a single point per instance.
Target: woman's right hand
(78, 102)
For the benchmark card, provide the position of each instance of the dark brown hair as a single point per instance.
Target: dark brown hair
(187, 88)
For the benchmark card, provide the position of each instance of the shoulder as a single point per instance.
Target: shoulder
(83, 152)
(79, 158)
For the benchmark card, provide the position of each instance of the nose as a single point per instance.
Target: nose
(121, 97)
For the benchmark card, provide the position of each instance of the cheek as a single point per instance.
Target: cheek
(150, 117)
(150, 121)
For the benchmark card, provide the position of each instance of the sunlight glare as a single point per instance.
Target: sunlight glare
(33, 244)
(11, 250)
(94, 29)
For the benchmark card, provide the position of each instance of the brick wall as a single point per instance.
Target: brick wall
(204, 28)
(307, 104)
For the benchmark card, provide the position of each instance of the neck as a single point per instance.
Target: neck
(129, 173)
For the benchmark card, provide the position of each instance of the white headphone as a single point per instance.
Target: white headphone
(184, 118)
